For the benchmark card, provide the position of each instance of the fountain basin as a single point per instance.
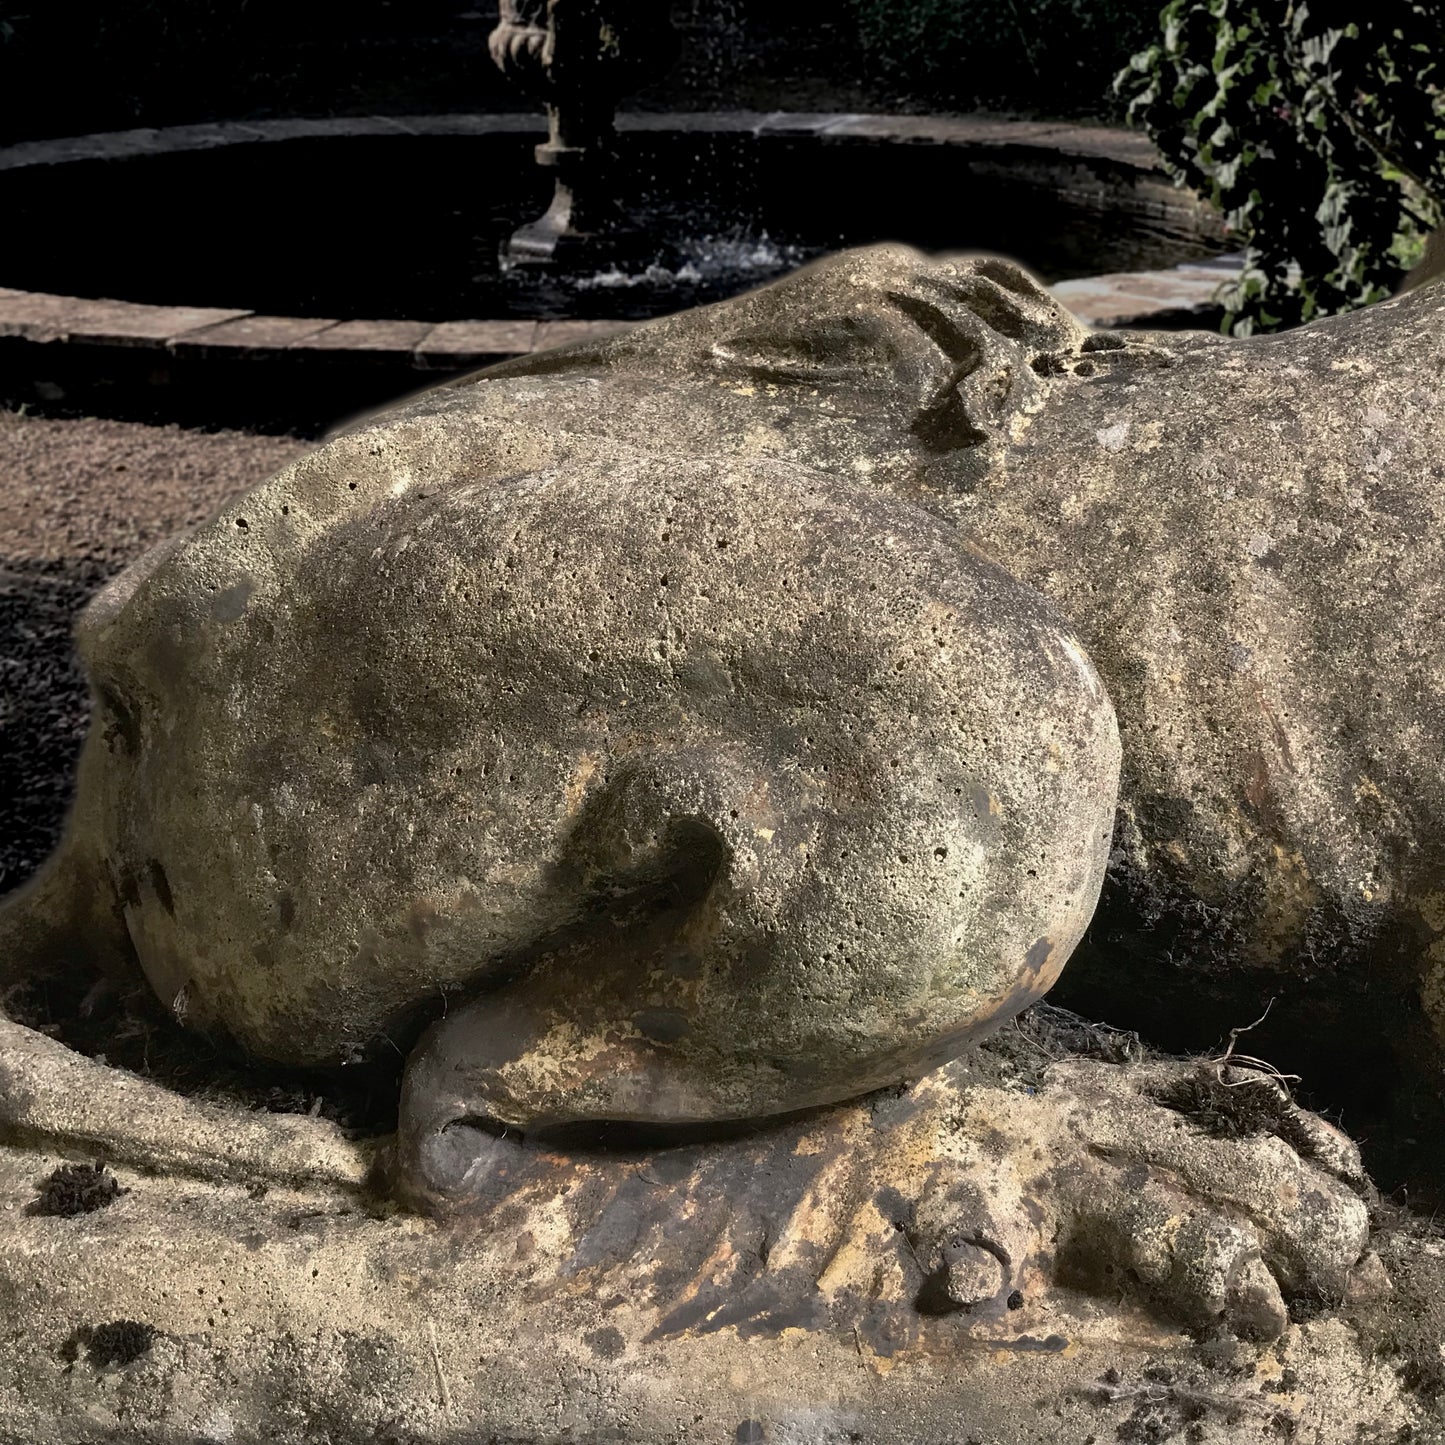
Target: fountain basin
(358, 252)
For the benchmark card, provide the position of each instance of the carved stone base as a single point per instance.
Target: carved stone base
(584, 229)
(1015, 1245)
(556, 241)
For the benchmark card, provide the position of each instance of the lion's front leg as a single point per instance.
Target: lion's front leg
(59, 1102)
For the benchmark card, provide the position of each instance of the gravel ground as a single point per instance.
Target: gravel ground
(78, 500)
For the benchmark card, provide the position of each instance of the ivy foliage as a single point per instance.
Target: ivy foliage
(1317, 127)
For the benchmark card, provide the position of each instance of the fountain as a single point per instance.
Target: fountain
(707, 205)
(453, 275)
(580, 56)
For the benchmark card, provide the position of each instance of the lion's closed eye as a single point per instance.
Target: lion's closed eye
(822, 349)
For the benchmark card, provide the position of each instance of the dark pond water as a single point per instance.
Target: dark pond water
(410, 226)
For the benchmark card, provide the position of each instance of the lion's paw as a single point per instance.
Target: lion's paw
(1206, 1191)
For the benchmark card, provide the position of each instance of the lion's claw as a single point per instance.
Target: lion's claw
(1106, 1189)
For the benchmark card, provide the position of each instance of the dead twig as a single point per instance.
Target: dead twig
(436, 1359)
(1191, 1400)
(1255, 1070)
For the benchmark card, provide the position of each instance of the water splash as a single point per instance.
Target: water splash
(705, 261)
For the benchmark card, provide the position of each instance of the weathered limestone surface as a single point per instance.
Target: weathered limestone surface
(1248, 537)
(1245, 534)
(1016, 1243)
(734, 789)
(308, 699)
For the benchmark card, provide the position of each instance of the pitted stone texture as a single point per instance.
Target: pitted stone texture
(796, 1276)
(731, 788)
(1006, 1191)
(1247, 535)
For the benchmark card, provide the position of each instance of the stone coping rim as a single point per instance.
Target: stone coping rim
(212, 332)
(190, 332)
(1127, 148)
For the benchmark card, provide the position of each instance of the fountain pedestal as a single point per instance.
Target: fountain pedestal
(584, 224)
(580, 58)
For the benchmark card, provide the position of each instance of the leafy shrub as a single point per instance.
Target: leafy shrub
(1317, 127)
(1053, 56)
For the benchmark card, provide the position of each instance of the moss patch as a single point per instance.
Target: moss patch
(76, 1189)
(119, 1342)
(1236, 1110)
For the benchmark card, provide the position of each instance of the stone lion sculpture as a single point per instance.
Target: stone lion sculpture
(753, 793)
(1245, 535)
(719, 722)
